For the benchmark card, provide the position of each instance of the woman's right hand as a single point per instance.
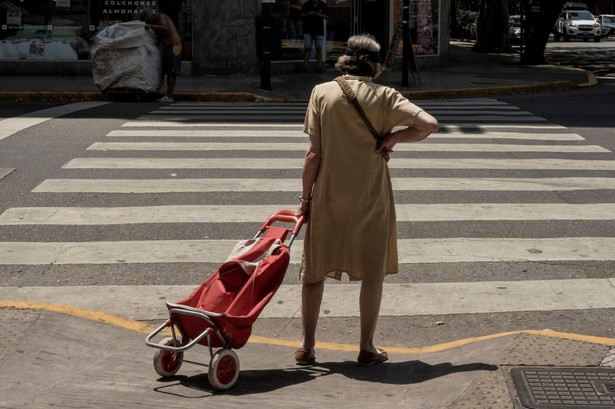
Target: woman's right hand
(385, 145)
(304, 206)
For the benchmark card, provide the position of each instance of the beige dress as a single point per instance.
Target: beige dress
(352, 225)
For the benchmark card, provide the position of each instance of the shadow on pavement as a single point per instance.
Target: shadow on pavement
(268, 380)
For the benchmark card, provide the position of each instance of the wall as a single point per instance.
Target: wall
(225, 37)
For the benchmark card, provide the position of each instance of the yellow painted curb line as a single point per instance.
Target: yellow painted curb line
(81, 313)
(331, 346)
(591, 80)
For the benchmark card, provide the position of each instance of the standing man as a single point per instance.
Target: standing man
(168, 36)
(314, 13)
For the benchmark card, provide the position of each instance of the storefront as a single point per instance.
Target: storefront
(38, 31)
(346, 17)
(219, 37)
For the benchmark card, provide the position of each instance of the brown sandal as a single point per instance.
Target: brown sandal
(367, 358)
(304, 356)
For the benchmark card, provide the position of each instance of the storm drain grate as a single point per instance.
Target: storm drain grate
(565, 387)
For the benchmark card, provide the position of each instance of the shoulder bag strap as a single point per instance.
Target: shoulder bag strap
(352, 97)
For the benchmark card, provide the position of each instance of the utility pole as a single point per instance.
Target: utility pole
(266, 44)
(406, 42)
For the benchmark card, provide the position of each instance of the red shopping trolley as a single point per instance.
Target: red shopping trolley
(221, 311)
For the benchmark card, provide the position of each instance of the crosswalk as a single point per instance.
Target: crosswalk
(491, 162)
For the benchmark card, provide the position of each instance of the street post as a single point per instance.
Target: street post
(266, 44)
(406, 42)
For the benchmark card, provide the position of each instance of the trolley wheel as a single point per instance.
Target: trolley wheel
(167, 363)
(223, 369)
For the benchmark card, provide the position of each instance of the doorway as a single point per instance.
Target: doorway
(349, 17)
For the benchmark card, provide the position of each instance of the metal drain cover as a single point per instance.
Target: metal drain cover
(540, 387)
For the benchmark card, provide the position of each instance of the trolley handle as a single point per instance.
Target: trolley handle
(285, 216)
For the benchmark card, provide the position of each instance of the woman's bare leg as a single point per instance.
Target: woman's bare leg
(369, 304)
(311, 298)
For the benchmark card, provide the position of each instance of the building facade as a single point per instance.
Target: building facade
(219, 37)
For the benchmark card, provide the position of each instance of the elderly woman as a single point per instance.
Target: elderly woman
(347, 191)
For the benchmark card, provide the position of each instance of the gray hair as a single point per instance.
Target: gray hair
(361, 56)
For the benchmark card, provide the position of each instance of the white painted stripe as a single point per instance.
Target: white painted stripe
(481, 126)
(293, 185)
(477, 126)
(201, 133)
(234, 133)
(273, 107)
(411, 251)
(493, 103)
(282, 110)
(5, 172)
(457, 101)
(299, 117)
(147, 302)
(510, 135)
(229, 107)
(258, 213)
(11, 126)
(179, 124)
(265, 119)
(410, 147)
(297, 163)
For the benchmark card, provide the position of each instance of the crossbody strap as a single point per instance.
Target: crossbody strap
(352, 97)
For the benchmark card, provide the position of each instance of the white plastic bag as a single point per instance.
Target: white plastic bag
(126, 56)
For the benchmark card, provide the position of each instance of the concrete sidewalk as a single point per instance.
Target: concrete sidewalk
(467, 75)
(54, 356)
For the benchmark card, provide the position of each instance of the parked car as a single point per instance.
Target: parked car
(514, 30)
(607, 24)
(577, 24)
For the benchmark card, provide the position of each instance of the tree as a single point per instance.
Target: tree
(492, 26)
(540, 19)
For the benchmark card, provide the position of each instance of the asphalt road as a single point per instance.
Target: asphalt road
(598, 58)
(41, 153)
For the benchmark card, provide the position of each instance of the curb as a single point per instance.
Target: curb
(145, 328)
(452, 93)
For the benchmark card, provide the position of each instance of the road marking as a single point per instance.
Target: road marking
(162, 123)
(478, 127)
(243, 112)
(276, 147)
(204, 133)
(147, 302)
(502, 117)
(4, 172)
(411, 251)
(297, 163)
(486, 297)
(257, 213)
(242, 133)
(13, 125)
(293, 185)
(170, 123)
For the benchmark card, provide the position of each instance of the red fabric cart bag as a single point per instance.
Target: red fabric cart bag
(236, 294)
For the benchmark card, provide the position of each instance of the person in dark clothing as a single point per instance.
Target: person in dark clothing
(168, 36)
(313, 14)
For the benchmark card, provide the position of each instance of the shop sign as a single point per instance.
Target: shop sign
(123, 10)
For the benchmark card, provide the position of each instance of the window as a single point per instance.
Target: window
(60, 29)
